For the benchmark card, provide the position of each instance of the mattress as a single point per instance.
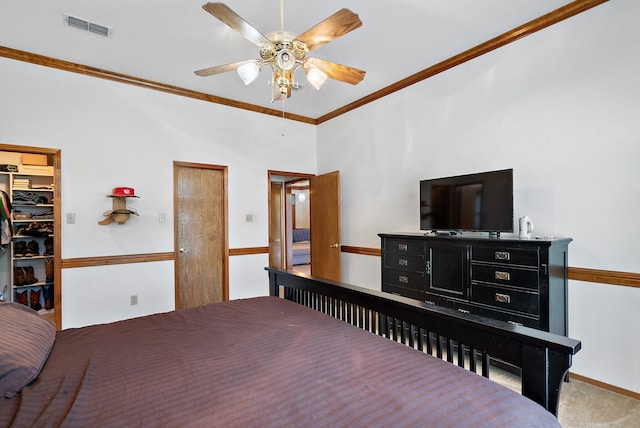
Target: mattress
(260, 362)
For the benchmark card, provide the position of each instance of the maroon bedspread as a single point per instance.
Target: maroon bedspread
(262, 362)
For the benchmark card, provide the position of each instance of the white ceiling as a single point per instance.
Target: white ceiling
(165, 41)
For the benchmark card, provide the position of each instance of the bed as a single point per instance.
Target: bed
(266, 361)
(301, 247)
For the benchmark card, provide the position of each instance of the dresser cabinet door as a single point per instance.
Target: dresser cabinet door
(447, 270)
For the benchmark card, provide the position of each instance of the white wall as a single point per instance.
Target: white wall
(561, 108)
(111, 135)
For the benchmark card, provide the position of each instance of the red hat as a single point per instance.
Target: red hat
(123, 192)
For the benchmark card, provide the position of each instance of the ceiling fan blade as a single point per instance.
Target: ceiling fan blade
(335, 71)
(235, 22)
(221, 68)
(337, 25)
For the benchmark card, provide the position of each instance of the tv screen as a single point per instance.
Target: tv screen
(481, 202)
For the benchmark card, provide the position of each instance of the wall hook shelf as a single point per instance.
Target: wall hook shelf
(119, 212)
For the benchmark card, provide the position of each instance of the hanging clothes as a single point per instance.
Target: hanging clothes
(6, 230)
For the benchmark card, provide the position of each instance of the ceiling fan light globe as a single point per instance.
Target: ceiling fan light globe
(316, 77)
(248, 72)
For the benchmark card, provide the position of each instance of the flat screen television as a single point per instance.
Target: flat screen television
(481, 202)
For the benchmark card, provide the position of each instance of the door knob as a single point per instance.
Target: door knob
(334, 245)
(183, 250)
(277, 241)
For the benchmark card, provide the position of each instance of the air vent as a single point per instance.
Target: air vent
(82, 24)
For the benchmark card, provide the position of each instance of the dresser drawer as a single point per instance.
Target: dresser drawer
(512, 256)
(506, 298)
(404, 262)
(505, 275)
(412, 280)
(408, 246)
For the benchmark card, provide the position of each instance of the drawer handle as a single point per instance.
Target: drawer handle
(503, 255)
(504, 276)
(503, 298)
(403, 262)
(403, 247)
(515, 323)
(464, 311)
(403, 279)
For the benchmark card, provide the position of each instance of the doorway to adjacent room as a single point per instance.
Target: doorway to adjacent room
(304, 223)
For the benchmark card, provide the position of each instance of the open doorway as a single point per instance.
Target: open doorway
(301, 226)
(289, 221)
(322, 194)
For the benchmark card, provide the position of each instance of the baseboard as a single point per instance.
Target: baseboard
(606, 386)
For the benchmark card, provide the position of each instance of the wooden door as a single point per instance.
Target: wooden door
(324, 196)
(200, 207)
(276, 214)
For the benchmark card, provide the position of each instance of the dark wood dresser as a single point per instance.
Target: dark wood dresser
(522, 281)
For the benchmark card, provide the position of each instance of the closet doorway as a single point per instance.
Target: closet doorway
(39, 228)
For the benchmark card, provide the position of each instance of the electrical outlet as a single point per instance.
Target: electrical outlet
(134, 300)
(162, 217)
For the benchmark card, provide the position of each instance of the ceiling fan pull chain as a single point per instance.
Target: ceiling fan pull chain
(283, 133)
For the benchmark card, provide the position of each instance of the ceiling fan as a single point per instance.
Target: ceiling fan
(285, 52)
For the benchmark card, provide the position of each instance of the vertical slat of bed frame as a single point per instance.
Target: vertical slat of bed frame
(395, 326)
(473, 354)
(367, 319)
(438, 346)
(461, 355)
(450, 345)
(412, 336)
(421, 334)
(485, 364)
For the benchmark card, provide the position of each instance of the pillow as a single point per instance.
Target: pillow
(26, 339)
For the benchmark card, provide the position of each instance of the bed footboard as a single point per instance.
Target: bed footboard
(467, 340)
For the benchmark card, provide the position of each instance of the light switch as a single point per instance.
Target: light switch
(71, 218)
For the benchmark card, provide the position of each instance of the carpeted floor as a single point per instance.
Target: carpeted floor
(583, 405)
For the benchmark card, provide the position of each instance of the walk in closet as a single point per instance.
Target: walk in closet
(28, 220)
